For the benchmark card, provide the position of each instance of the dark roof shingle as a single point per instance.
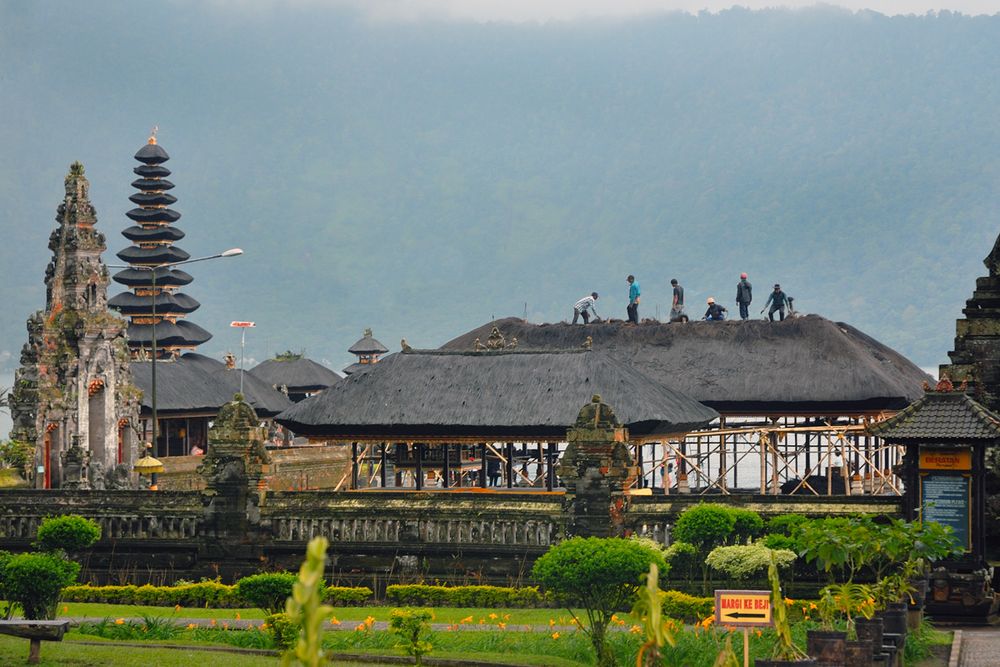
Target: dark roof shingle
(941, 417)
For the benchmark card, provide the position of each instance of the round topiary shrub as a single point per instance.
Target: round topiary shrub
(747, 561)
(747, 525)
(600, 576)
(267, 591)
(705, 526)
(34, 581)
(69, 533)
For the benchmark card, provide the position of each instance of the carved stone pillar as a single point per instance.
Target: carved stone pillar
(596, 469)
(234, 467)
(75, 462)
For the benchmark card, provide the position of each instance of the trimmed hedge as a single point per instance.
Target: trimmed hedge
(687, 608)
(465, 596)
(203, 594)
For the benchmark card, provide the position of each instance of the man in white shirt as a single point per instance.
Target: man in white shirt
(583, 307)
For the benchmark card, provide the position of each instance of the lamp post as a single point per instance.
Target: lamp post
(232, 252)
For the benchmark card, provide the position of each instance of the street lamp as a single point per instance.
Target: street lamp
(232, 252)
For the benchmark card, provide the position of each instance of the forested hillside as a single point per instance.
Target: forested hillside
(422, 177)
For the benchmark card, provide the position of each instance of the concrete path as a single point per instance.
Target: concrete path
(980, 647)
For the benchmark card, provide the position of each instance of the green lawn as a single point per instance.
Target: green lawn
(346, 615)
(14, 651)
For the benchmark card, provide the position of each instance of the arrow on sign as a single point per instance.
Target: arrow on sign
(740, 614)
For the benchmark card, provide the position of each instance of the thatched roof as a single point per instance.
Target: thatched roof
(298, 375)
(520, 394)
(194, 383)
(945, 417)
(805, 365)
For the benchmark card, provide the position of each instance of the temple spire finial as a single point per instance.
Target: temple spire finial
(152, 135)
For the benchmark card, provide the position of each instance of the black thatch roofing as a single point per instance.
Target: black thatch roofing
(152, 184)
(151, 171)
(941, 417)
(168, 334)
(152, 154)
(355, 368)
(197, 384)
(511, 394)
(805, 365)
(161, 254)
(299, 375)
(158, 233)
(152, 199)
(368, 345)
(128, 303)
(165, 277)
(153, 215)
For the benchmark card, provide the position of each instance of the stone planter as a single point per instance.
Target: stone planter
(894, 619)
(870, 630)
(920, 592)
(826, 646)
(857, 654)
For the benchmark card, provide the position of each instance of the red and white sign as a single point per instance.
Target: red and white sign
(242, 325)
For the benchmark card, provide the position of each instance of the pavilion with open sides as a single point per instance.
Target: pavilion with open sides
(439, 416)
(794, 400)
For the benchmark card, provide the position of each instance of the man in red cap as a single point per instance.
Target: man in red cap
(744, 295)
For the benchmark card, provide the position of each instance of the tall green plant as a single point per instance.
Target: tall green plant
(648, 610)
(785, 647)
(305, 607)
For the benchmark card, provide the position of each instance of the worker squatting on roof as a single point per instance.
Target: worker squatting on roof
(716, 312)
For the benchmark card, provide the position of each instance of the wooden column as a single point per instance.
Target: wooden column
(382, 461)
(419, 449)
(446, 469)
(482, 465)
(510, 465)
(354, 465)
(550, 468)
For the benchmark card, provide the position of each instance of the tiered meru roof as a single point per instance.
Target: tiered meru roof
(153, 238)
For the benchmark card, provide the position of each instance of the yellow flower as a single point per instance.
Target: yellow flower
(361, 627)
(635, 629)
(467, 619)
(614, 617)
(263, 626)
(334, 621)
(119, 621)
(758, 632)
(482, 621)
(707, 621)
(191, 626)
(555, 635)
(552, 622)
(812, 605)
(506, 617)
(177, 607)
(212, 622)
(65, 609)
(370, 621)
(237, 616)
(493, 617)
(502, 626)
(789, 601)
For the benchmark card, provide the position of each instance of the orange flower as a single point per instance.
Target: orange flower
(635, 629)
(493, 617)
(707, 622)
(237, 616)
(482, 621)
(506, 617)
(212, 622)
(334, 621)
(370, 621)
(467, 619)
(812, 605)
(789, 601)
(555, 635)
(758, 632)
(502, 626)
(225, 626)
(552, 623)
(191, 626)
(177, 607)
(65, 609)
(361, 627)
(119, 621)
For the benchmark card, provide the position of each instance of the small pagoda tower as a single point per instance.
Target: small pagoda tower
(368, 351)
(73, 396)
(155, 299)
(976, 356)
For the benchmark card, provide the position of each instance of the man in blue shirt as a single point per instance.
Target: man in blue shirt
(633, 300)
(777, 301)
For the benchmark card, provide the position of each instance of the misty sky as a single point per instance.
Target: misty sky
(561, 10)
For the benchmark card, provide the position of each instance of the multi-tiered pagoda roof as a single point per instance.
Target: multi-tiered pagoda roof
(154, 299)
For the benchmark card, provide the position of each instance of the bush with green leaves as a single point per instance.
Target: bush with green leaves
(687, 608)
(683, 560)
(747, 561)
(69, 533)
(747, 525)
(423, 595)
(16, 454)
(785, 524)
(34, 582)
(284, 631)
(704, 526)
(599, 575)
(266, 591)
(412, 626)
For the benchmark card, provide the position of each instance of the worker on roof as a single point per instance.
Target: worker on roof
(777, 300)
(744, 295)
(583, 307)
(677, 305)
(715, 312)
(633, 300)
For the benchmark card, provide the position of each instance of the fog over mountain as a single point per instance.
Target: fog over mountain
(422, 176)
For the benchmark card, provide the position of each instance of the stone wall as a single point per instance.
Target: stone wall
(292, 469)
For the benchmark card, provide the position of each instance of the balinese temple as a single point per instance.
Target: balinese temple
(190, 387)
(155, 299)
(295, 375)
(368, 351)
(73, 395)
(976, 357)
